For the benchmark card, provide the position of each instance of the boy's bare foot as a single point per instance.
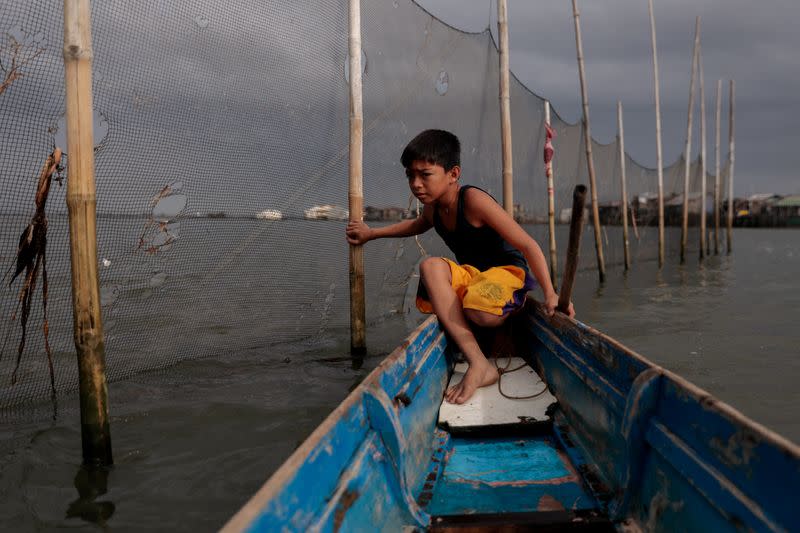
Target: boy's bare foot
(478, 375)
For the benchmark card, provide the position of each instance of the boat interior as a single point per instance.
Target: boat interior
(580, 433)
(501, 463)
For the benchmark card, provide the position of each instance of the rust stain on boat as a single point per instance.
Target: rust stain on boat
(345, 502)
(549, 503)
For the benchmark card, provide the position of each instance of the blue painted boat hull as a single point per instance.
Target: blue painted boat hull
(631, 446)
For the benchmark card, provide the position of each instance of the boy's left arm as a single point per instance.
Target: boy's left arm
(483, 208)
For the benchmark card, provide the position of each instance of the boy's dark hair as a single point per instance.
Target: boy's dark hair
(437, 147)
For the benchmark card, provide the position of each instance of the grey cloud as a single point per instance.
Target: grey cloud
(754, 43)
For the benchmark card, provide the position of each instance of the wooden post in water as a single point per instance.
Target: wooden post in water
(81, 204)
(703, 170)
(622, 177)
(358, 344)
(587, 136)
(688, 150)
(551, 204)
(717, 181)
(505, 108)
(573, 247)
(731, 160)
(659, 154)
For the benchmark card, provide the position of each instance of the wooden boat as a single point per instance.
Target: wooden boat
(624, 445)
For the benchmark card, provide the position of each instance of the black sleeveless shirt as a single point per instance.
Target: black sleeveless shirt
(481, 247)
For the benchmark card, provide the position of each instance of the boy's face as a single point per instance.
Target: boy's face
(429, 181)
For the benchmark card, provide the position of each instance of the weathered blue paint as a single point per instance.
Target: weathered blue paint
(673, 457)
(418, 418)
(719, 493)
(505, 475)
(297, 506)
(456, 499)
(593, 409)
(592, 480)
(360, 467)
(386, 423)
(502, 461)
(759, 464)
(639, 409)
(629, 438)
(361, 496)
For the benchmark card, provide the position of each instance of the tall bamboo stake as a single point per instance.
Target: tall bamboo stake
(587, 137)
(731, 160)
(356, 194)
(82, 203)
(659, 154)
(622, 177)
(688, 149)
(703, 170)
(573, 247)
(717, 183)
(551, 206)
(505, 108)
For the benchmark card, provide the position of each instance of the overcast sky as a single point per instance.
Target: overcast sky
(754, 43)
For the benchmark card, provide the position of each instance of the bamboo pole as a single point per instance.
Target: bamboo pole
(551, 206)
(688, 149)
(82, 203)
(356, 194)
(505, 108)
(659, 153)
(622, 177)
(587, 137)
(717, 180)
(573, 247)
(703, 170)
(731, 160)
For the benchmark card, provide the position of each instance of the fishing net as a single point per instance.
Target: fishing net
(221, 154)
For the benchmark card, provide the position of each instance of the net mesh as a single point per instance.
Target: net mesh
(204, 118)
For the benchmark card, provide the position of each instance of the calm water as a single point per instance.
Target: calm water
(194, 441)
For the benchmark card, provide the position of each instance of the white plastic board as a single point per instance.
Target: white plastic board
(488, 407)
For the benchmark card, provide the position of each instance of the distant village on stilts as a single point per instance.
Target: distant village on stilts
(758, 210)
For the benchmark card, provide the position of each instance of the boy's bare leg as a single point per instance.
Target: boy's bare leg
(435, 274)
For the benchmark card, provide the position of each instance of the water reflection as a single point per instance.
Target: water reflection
(599, 290)
(660, 281)
(684, 275)
(357, 358)
(91, 482)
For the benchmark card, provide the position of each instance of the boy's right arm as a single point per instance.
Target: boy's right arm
(359, 233)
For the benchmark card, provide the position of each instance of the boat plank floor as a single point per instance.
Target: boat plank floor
(507, 475)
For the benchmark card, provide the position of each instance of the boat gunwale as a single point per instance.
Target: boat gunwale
(250, 511)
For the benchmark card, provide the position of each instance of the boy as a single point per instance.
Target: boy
(496, 257)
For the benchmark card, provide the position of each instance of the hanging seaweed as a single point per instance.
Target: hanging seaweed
(31, 258)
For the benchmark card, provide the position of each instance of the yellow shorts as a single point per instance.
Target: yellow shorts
(498, 290)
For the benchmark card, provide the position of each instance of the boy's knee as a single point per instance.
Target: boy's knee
(484, 319)
(432, 266)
